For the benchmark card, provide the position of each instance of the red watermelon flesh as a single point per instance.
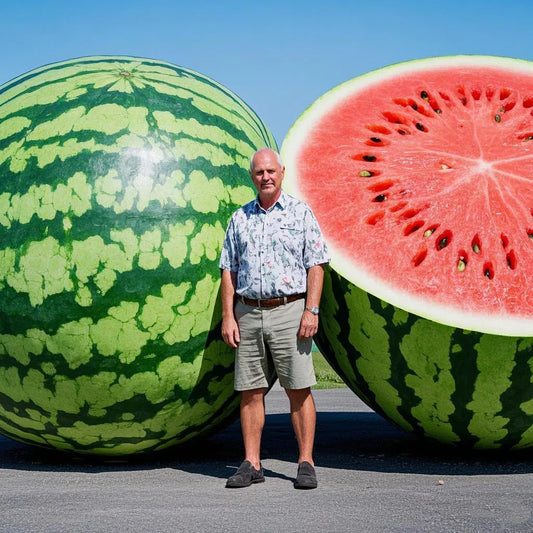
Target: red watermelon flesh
(421, 177)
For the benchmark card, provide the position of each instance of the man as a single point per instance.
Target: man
(272, 271)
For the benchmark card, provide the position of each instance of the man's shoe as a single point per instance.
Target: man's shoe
(306, 477)
(246, 475)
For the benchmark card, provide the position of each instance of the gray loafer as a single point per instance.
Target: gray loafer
(246, 475)
(306, 477)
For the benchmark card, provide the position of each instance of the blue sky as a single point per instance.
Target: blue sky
(279, 56)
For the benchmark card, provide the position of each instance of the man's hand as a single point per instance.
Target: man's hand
(308, 325)
(230, 328)
(230, 332)
(309, 322)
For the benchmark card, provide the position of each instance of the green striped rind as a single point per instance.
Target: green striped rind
(117, 178)
(455, 386)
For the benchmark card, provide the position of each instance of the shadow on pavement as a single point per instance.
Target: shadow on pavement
(345, 440)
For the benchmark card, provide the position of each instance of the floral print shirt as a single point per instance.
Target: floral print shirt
(272, 250)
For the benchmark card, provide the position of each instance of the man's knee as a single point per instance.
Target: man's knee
(298, 392)
(252, 396)
(298, 397)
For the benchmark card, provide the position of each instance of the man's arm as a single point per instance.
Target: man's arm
(230, 328)
(309, 322)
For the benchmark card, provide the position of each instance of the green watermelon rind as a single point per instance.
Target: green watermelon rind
(457, 387)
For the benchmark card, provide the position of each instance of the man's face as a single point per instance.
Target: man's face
(267, 175)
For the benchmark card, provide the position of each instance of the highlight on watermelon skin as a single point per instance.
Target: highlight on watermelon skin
(118, 176)
(420, 175)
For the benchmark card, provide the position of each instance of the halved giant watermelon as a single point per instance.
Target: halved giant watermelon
(421, 177)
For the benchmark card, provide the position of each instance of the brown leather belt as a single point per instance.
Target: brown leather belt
(271, 302)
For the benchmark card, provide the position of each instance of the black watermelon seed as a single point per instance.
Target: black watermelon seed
(369, 158)
(380, 198)
(375, 139)
(420, 126)
(424, 95)
(443, 243)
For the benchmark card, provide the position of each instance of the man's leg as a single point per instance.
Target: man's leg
(252, 423)
(303, 416)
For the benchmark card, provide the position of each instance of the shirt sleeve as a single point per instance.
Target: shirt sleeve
(228, 256)
(315, 248)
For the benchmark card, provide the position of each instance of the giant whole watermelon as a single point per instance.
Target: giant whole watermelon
(421, 176)
(117, 178)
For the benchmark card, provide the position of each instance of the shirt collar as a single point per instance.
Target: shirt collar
(281, 202)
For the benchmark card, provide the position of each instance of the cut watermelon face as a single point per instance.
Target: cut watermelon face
(421, 177)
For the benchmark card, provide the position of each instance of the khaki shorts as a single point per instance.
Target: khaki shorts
(270, 346)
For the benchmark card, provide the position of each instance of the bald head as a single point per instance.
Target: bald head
(278, 158)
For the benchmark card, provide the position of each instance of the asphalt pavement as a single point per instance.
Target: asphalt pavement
(372, 478)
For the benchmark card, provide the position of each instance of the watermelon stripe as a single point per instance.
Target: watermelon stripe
(487, 422)
(425, 349)
(463, 358)
(393, 368)
(516, 409)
